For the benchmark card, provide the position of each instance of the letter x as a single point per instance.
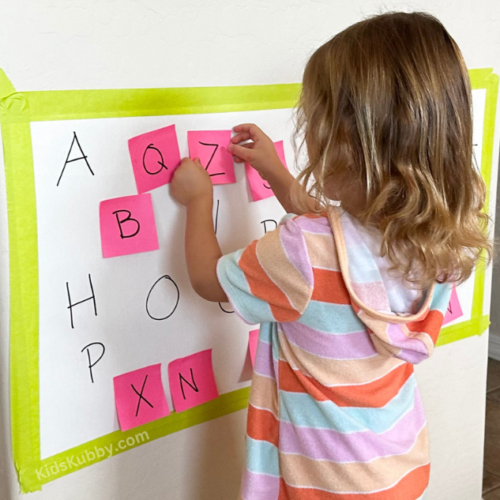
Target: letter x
(141, 397)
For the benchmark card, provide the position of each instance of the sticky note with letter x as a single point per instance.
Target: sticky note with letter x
(139, 397)
(127, 225)
(192, 380)
(210, 146)
(155, 156)
(259, 188)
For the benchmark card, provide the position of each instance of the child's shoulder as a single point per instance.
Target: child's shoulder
(309, 223)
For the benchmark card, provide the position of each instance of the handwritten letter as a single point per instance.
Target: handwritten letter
(210, 146)
(454, 310)
(155, 156)
(139, 397)
(192, 381)
(259, 188)
(127, 225)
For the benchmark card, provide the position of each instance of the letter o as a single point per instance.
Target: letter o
(177, 297)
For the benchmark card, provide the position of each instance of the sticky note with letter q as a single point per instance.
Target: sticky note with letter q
(155, 156)
(139, 397)
(127, 225)
(192, 380)
(210, 146)
(259, 188)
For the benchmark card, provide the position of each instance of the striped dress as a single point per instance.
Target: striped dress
(335, 412)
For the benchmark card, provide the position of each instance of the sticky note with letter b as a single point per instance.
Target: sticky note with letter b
(155, 156)
(127, 225)
(139, 397)
(192, 380)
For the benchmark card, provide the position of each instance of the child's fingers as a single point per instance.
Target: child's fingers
(250, 128)
(241, 137)
(245, 154)
(249, 145)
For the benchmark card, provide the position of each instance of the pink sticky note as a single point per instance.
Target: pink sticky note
(210, 146)
(454, 310)
(192, 381)
(259, 188)
(139, 397)
(155, 156)
(127, 225)
(252, 344)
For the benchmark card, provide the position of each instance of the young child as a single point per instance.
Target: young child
(350, 297)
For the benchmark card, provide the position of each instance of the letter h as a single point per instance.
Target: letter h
(92, 297)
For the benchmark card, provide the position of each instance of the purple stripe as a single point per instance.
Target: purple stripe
(263, 364)
(399, 339)
(258, 486)
(295, 249)
(412, 357)
(317, 226)
(355, 345)
(325, 444)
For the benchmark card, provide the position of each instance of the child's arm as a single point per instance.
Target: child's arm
(191, 186)
(261, 155)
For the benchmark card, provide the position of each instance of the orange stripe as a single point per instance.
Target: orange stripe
(412, 486)
(371, 395)
(262, 425)
(262, 287)
(329, 287)
(430, 325)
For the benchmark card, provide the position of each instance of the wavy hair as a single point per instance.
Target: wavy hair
(386, 106)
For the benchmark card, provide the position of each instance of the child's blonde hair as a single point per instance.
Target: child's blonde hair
(387, 104)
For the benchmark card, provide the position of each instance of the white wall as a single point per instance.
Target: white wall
(85, 44)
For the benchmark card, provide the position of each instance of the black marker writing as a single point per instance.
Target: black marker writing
(216, 146)
(71, 305)
(224, 310)
(271, 221)
(216, 217)
(266, 185)
(193, 385)
(92, 364)
(141, 397)
(83, 157)
(128, 218)
(450, 310)
(169, 279)
(159, 161)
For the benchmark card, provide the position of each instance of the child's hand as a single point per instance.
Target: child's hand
(260, 153)
(190, 182)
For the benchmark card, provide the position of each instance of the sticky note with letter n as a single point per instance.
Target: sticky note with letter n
(127, 225)
(192, 380)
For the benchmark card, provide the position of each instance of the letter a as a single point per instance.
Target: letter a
(82, 157)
